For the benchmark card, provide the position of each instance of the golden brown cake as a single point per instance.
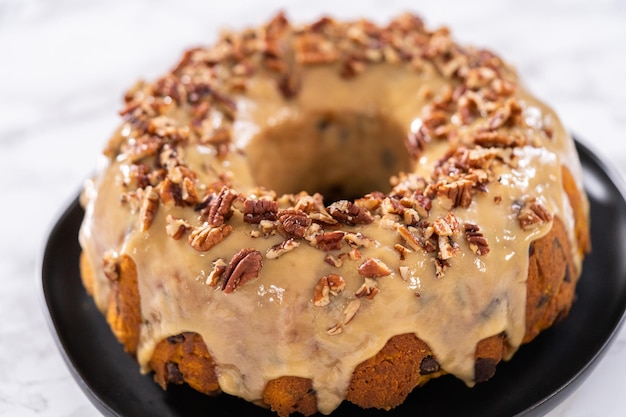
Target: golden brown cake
(302, 215)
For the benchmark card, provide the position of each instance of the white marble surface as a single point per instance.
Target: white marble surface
(65, 64)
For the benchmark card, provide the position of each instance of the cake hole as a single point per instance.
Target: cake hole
(340, 155)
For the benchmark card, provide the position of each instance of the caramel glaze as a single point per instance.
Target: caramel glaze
(270, 119)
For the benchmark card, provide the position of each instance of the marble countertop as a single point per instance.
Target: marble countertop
(65, 64)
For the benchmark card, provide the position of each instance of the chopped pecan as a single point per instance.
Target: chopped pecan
(149, 207)
(189, 192)
(416, 142)
(206, 236)
(142, 147)
(336, 284)
(243, 267)
(368, 289)
(508, 113)
(176, 227)
(498, 139)
(335, 330)
(459, 192)
(293, 222)
(441, 266)
(217, 208)
(280, 249)
(405, 273)
(447, 226)
(374, 268)
(422, 204)
(220, 139)
(329, 241)
(170, 193)
(349, 213)
(137, 177)
(332, 261)
(392, 206)
(533, 214)
(314, 207)
(321, 293)
(328, 285)
(354, 254)
(476, 240)
(370, 201)
(357, 240)
(267, 227)
(219, 266)
(402, 250)
(447, 247)
(256, 210)
(409, 238)
(350, 311)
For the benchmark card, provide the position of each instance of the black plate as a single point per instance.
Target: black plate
(539, 376)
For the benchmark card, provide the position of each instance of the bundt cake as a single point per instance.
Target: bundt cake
(300, 215)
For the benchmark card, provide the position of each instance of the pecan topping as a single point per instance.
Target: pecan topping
(328, 285)
(217, 208)
(447, 247)
(142, 147)
(329, 241)
(498, 139)
(335, 330)
(349, 213)
(243, 267)
(416, 143)
(170, 193)
(374, 268)
(149, 207)
(206, 236)
(370, 201)
(357, 240)
(459, 192)
(447, 226)
(219, 266)
(332, 261)
(477, 242)
(402, 250)
(350, 311)
(280, 249)
(293, 222)
(176, 227)
(179, 187)
(409, 238)
(368, 289)
(392, 206)
(533, 214)
(441, 266)
(256, 210)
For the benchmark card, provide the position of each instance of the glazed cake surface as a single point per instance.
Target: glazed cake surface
(292, 198)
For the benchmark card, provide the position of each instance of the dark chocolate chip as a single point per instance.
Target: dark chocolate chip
(173, 374)
(429, 365)
(484, 369)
